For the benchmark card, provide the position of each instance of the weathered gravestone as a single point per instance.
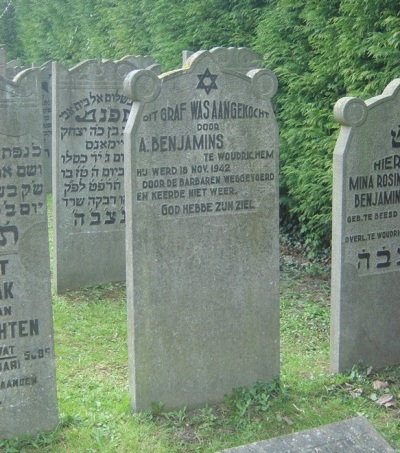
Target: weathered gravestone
(13, 68)
(3, 61)
(240, 59)
(202, 232)
(28, 401)
(45, 71)
(142, 61)
(89, 115)
(356, 435)
(366, 233)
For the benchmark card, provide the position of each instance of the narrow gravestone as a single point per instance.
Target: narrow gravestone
(356, 435)
(201, 148)
(89, 116)
(28, 401)
(3, 60)
(45, 71)
(13, 69)
(366, 234)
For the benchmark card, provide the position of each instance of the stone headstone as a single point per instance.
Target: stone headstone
(3, 60)
(10, 68)
(366, 234)
(45, 71)
(140, 61)
(89, 115)
(143, 62)
(13, 63)
(201, 149)
(28, 401)
(239, 59)
(356, 435)
(12, 71)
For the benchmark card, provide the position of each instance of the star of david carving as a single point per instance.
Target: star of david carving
(211, 85)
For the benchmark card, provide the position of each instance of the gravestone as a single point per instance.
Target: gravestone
(89, 115)
(45, 71)
(28, 401)
(240, 59)
(13, 63)
(201, 148)
(356, 435)
(366, 234)
(142, 61)
(3, 61)
(14, 67)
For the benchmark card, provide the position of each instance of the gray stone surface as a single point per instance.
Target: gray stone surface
(12, 70)
(356, 435)
(201, 149)
(45, 71)
(3, 60)
(89, 115)
(13, 63)
(366, 235)
(28, 401)
(239, 59)
(14, 67)
(139, 61)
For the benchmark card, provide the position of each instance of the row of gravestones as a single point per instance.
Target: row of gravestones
(186, 163)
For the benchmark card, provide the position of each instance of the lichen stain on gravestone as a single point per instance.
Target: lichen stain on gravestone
(201, 147)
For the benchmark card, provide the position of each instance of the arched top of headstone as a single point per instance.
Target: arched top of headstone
(98, 71)
(24, 85)
(145, 86)
(13, 63)
(101, 70)
(46, 65)
(22, 92)
(238, 58)
(352, 111)
(139, 61)
(11, 72)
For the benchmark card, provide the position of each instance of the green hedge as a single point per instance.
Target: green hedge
(321, 50)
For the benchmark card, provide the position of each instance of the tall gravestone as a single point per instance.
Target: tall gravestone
(14, 67)
(45, 71)
(89, 116)
(3, 61)
(202, 232)
(28, 401)
(366, 233)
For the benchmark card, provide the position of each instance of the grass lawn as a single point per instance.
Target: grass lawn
(92, 380)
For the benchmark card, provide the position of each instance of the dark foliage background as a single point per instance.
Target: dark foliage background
(320, 50)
